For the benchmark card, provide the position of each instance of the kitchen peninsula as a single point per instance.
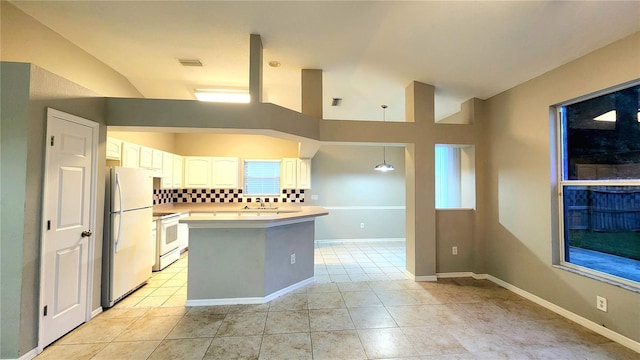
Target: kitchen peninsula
(248, 256)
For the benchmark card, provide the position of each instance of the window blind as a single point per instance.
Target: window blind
(262, 177)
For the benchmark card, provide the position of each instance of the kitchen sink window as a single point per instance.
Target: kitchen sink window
(599, 185)
(261, 178)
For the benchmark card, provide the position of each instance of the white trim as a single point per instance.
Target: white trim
(329, 241)
(30, 355)
(610, 334)
(365, 207)
(454, 275)
(251, 300)
(96, 312)
(420, 278)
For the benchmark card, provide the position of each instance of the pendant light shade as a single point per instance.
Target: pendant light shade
(384, 167)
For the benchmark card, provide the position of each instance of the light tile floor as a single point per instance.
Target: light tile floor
(451, 319)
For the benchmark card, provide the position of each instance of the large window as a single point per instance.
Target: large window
(599, 184)
(262, 177)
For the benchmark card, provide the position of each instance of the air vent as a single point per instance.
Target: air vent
(190, 62)
(336, 101)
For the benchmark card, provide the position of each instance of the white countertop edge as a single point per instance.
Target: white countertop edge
(243, 223)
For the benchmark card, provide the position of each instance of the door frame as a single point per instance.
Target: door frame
(95, 130)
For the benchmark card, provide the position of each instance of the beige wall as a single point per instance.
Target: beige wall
(236, 145)
(164, 141)
(344, 181)
(26, 40)
(520, 192)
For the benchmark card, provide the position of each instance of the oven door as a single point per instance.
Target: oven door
(168, 239)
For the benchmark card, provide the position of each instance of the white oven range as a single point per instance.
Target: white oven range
(167, 249)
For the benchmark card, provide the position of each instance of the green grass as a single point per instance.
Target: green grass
(625, 244)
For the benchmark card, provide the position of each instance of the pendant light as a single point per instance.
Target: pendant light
(384, 167)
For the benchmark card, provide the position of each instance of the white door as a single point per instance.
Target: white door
(69, 218)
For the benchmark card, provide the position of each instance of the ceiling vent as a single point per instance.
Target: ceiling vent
(336, 101)
(190, 62)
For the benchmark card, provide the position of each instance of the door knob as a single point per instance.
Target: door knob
(86, 233)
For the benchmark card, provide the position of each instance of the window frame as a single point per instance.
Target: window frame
(561, 183)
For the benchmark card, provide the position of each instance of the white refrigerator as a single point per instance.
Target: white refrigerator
(127, 245)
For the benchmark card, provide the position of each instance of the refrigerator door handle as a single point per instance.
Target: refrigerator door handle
(119, 212)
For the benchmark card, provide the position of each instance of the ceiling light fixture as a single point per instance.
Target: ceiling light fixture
(384, 167)
(223, 95)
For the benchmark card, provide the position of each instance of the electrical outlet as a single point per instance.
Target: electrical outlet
(361, 225)
(293, 259)
(601, 303)
(454, 250)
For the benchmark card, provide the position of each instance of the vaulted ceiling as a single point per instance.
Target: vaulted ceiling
(368, 50)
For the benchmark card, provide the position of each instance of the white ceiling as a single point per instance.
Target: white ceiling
(369, 51)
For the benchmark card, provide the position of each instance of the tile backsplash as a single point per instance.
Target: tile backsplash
(221, 196)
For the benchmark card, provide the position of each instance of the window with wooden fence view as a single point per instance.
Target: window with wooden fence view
(599, 185)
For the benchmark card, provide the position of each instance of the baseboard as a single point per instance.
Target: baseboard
(30, 355)
(421, 278)
(454, 275)
(610, 334)
(251, 300)
(96, 312)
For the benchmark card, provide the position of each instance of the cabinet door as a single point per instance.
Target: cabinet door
(156, 159)
(225, 173)
(197, 172)
(304, 174)
(177, 171)
(113, 149)
(154, 243)
(146, 157)
(130, 155)
(167, 170)
(288, 173)
(183, 236)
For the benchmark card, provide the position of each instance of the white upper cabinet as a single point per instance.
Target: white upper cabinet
(114, 149)
(146, 157)
(156, 160)
(225, 173)
(288, 173)
(130, 155)
(177, 171)
(295, 173)
(197, 172)
(303, 180)
(167, 170)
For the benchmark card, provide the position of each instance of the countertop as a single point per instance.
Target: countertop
(235, 216)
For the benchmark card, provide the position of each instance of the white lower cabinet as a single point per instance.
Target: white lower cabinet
(154, 242)
(183, 234)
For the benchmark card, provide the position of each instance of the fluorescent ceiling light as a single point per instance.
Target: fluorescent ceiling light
(224, 96)
(610, 116)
